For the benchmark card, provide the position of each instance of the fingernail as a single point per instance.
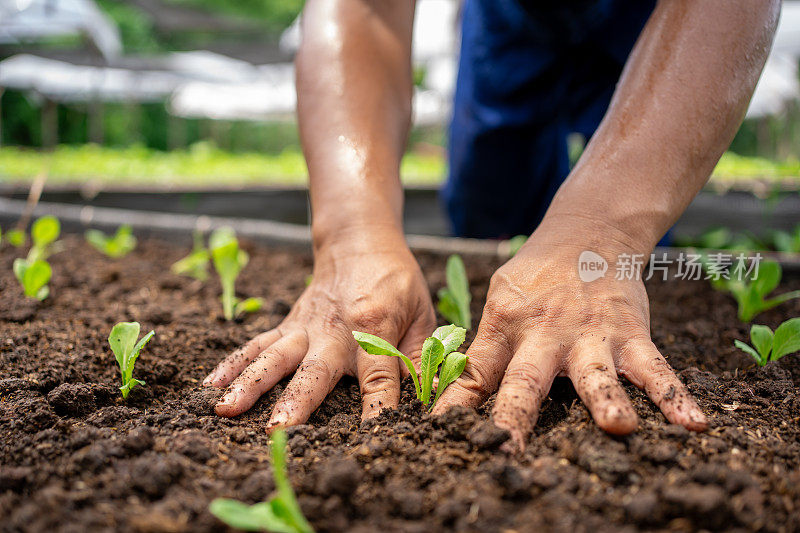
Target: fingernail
(230, 398)
(278, 419)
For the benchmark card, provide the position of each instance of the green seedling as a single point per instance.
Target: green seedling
(123, 343)
(16, 238)
(750, 291)
(195, 264)
(281, 514)
(44, 233)
(33, 276)
(440, 349)
(769, 346)
(229, 260)
(454, 299)
(121, 244)
(788, 242)
(515, 243)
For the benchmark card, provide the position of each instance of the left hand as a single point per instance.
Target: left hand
(541, 321)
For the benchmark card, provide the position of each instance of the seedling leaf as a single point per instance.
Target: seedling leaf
(15, 238)
(281, 514)
(454, 299)
(248, 305)
(126, 350)
(195, 264)
(750, 351)
(787, 339)
(258, 517)
(761, 337)
(121, 244)
(374, 345)
(33, 276)
(451, 336)
(432, 357)
(45, 231)
(228, 262)
(452, 368)
(515, 243)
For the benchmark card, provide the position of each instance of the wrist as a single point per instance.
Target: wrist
(599, 234)
(354, 238)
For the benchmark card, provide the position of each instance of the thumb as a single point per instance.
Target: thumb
(487, 360)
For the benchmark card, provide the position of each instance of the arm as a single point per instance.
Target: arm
(682, 95)
(354, 102)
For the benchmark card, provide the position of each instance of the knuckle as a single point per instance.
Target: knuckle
(317, 368)
(528, 376)
(377, 381)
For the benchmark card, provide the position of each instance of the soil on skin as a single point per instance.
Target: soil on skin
(74, 457)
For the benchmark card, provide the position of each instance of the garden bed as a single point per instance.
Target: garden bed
(74, 457)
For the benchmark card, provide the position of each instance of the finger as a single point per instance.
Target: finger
(232, 365)
(411, 345)
(379, 378)
(318, 373)
(271, 366)
(644, 366)
(591, 369)
(526, 383)
(489, 355)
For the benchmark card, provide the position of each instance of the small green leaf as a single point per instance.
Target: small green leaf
(122, 340)
(457, 295)
(515, 243)
(452, 368)
(761, 337)
(769, 275)
(121, 244)
(15, 238)
(228, 262)
(750, 351)
(258, 517)
(45, 231)
(374, 345)
(196, 263)
(432, 357)
(33, 276)
(248, 305)
(447, 306)
(451, 336)
(787, 339)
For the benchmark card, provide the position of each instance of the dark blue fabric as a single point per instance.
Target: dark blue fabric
(530, 73)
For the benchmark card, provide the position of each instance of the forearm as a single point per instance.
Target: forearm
(680, 100)
(354, 88)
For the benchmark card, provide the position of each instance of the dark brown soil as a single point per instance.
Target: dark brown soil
(74, 457)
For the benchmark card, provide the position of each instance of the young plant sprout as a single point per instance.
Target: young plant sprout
(229, 260)
(454, 299)
(281, 514)
(788, 242)
(750, 292)
(769, 346)
(16, 238)
(123, 343)
(33, 276)
(195, 264)
(440, 349)
(34, 272)
(44, 233)
(121, 244)
(515, 243)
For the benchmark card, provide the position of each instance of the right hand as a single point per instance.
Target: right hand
(367, 283)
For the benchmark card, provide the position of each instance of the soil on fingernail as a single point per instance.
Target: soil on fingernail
(75, 457)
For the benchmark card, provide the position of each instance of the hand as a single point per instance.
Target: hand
(372, 285)
(541, 321)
